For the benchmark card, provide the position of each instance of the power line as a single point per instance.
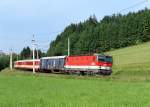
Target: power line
(50, 33)
(135, 5)
(43, 42)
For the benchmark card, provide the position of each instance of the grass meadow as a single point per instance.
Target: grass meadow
(23, 89)
(128, 86)
(132, 61)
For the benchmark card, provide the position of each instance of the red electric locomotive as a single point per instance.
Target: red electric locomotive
(99, 64)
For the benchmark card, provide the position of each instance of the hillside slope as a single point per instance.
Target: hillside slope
(94, 36)
(132, 60)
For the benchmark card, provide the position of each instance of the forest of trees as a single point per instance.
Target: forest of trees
(112, 32)
(26, 53)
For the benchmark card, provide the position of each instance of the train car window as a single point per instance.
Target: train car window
(54, 63)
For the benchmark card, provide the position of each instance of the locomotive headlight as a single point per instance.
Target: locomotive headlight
(105, 68)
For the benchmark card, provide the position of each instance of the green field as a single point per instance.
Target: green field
(134, 60)
(19, 89)
(128, 86)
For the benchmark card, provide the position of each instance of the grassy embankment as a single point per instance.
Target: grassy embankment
(128, 86)
(19, 89)
(132, 61)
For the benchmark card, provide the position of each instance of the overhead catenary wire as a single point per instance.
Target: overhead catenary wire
(133, 6)
(58, 32)
(43, 39)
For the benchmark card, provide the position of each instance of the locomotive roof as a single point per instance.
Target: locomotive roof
(53, 57)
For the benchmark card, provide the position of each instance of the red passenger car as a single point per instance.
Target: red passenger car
(100, 64)
(27, 64)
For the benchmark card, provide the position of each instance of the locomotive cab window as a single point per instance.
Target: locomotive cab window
(109, 59)
(101, 58)
(105, 59)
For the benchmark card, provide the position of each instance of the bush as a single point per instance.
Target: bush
(4, 62)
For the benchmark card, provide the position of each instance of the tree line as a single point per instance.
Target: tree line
(26, 53)
(112, 32)
(5, 60)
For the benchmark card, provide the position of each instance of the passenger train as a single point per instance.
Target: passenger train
(94, 64)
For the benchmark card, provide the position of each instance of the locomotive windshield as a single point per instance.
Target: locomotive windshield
(105, 59)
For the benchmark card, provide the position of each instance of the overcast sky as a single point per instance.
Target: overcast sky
(19, 19)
